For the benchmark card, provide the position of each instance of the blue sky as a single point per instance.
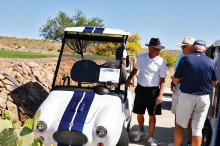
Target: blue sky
(169, 20)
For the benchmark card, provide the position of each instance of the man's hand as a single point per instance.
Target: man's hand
(159, 99)
(214, 84)
(128, 83)
(172, 87)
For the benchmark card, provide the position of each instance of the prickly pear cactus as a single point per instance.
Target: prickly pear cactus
(9, 137)
(32, 123)
(5, 124)
(27, 136)
(37, 142)
(36, 118)
(29, 123)
(18, 137)
(7, 115)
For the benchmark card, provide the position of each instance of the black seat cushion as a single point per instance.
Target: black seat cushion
(85, 71)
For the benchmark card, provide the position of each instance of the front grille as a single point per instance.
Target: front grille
(70, 137)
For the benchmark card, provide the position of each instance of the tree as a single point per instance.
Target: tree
(54, 28)
(106, 49)
(133, 45)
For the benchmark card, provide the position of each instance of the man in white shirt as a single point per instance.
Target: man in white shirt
(150, 87)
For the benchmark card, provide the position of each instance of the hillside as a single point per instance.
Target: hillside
(173, 52)
(29, 45)
(42, 46)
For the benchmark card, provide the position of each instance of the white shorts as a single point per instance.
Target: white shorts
(195, 107)
(175, 97)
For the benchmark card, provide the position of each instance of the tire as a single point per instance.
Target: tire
(124, 140)
(206, 134)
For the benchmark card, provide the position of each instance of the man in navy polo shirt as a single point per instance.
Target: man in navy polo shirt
(196, 74)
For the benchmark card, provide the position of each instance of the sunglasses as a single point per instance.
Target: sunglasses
(184, 46)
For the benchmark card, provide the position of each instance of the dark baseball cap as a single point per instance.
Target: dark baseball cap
(200, 43)
(155, 43)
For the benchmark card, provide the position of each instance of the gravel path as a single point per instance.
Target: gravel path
(164, 126)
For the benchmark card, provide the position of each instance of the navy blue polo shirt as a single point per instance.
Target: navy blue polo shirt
(196, 72)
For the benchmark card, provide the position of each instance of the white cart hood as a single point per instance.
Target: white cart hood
(74, 109)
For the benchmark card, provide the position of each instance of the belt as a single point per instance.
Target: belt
(148, 86)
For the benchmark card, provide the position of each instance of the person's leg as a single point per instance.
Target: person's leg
(175, 97)
(196, 140)
(141, 133)
(140, 118)
(198, 118)
(152, 123)
(190, 130)
(184, 111)
(178, 135)
(139, 109)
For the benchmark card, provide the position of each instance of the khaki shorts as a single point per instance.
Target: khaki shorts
(175, 97)
(195, 106)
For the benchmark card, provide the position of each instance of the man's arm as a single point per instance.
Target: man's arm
(176, 80)
(132, 74)
(123, 61)
(214, 83)
(172, 85)
(160, 96)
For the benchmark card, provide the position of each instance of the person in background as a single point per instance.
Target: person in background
(150, 87)
(121, 54)
(186, 46)
(196, 74)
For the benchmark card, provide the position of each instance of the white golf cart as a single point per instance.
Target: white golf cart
(86, 106)
(211, 131)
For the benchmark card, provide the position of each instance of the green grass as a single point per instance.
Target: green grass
(90, 56)
(19, 54)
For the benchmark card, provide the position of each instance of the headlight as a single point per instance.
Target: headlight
(41, 127)
(101, 131)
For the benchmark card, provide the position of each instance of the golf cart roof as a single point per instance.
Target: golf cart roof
(98, 30)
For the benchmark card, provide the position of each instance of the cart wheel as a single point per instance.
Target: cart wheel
(124, 140)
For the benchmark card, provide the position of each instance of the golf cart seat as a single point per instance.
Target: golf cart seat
(85, 71)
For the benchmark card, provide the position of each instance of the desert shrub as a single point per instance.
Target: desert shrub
(50, 49)
(169, 58)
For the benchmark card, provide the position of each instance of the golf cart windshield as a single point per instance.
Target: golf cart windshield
(87, 59)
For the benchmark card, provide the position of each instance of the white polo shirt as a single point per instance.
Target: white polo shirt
(125, 54)
(150, 70)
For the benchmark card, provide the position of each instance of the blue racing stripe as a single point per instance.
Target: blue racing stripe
(69, 112)
(98, 30)
(82, 113)
(88, 29)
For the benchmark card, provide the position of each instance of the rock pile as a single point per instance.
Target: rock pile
(24, 84)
